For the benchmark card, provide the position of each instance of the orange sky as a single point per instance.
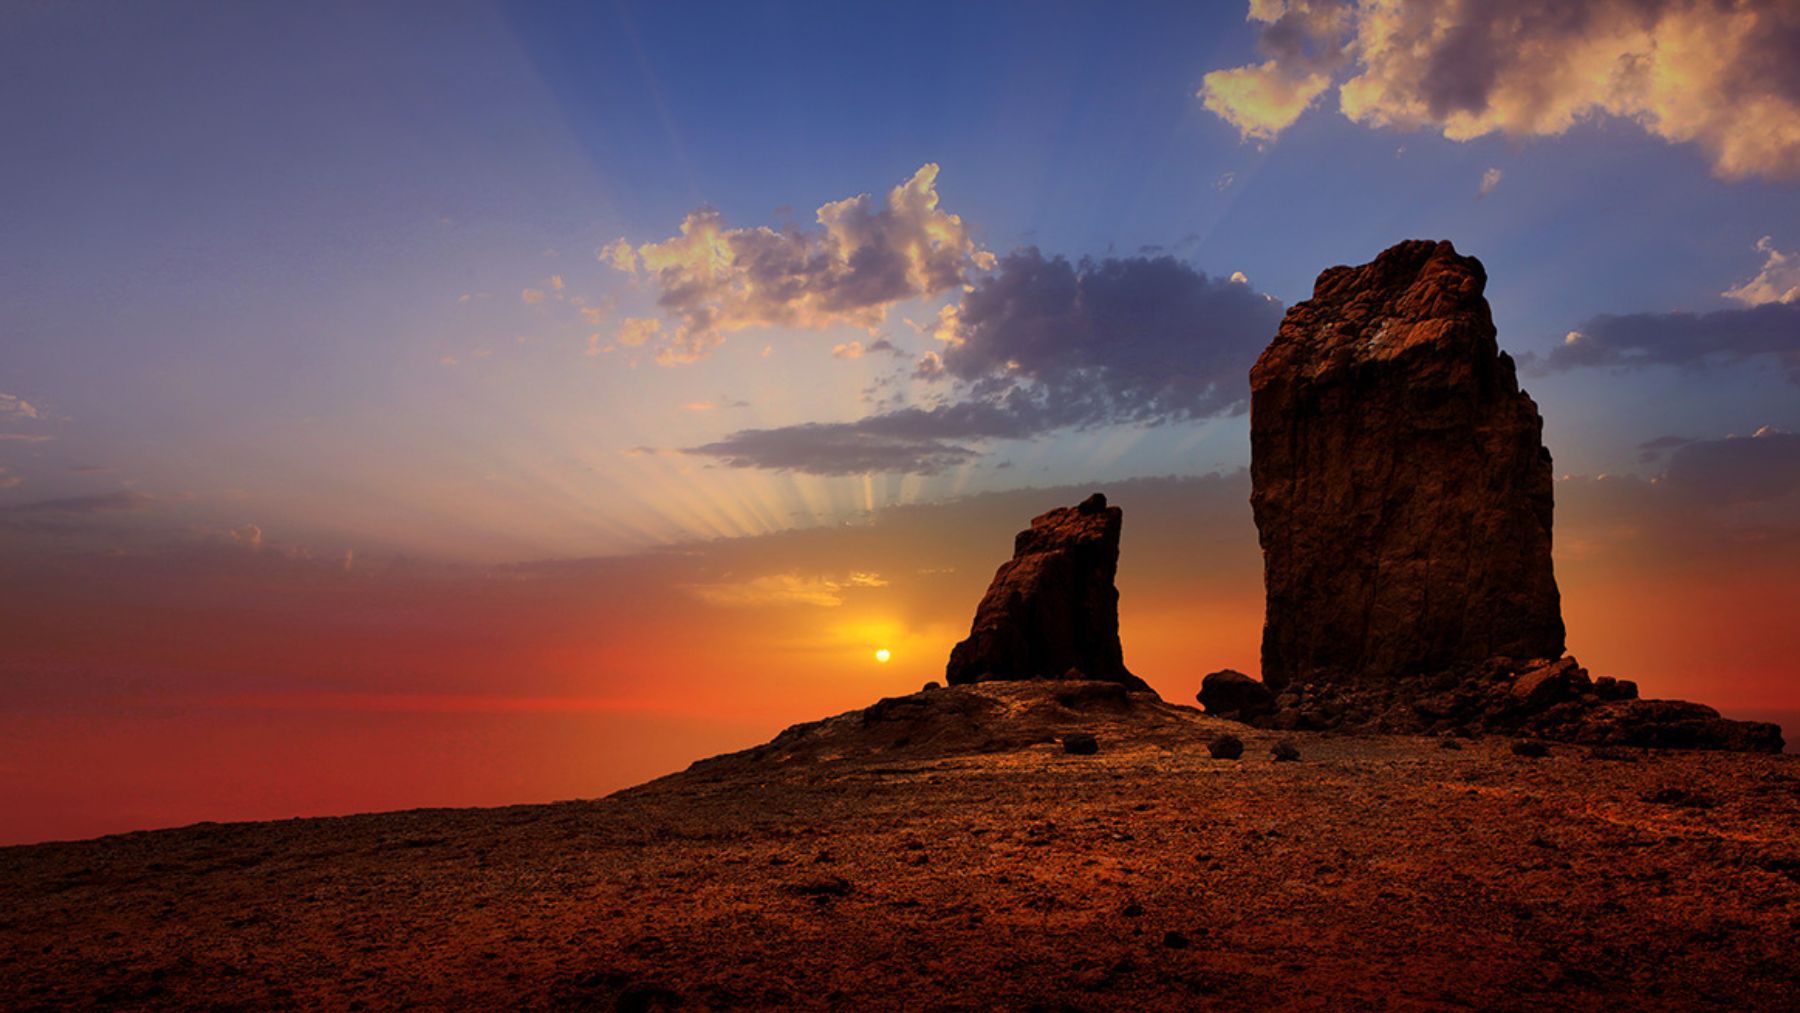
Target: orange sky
(203, 681)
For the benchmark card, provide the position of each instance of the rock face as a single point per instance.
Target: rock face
(1052, 611)
(1401, 487)
(1403, 497)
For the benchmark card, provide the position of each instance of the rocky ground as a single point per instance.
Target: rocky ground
(943, 851)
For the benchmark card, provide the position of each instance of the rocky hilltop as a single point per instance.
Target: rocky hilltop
(1404, 498)
(1052, 611)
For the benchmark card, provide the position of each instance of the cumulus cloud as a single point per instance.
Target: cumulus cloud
(864, 256)
(1489, 181)
(847, 350)
(1046, 344)
(1777, 282)
(1637, 340)
(1719, 75)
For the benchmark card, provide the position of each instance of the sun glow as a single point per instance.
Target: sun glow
(882, 655)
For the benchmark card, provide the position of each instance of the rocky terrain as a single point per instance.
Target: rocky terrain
(896, 859)
(1052, 611)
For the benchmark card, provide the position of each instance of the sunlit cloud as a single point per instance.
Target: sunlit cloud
(1777, 282)
(1692, 340)
(863, 257)
(1261, 100)
(786, 589)
(1490, 180)
(13, 407)
(1688, 71)
(637, 331)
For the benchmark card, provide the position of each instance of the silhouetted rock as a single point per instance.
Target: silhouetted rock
(1284, 751)
(1225, 747)
(1401, 488)
(1080, 744)
(1528, 748)
(1052, 611)
(1403, 498)
(1234, 695)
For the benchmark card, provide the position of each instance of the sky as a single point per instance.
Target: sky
(473, 403)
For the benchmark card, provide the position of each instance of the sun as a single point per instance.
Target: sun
(882, 655)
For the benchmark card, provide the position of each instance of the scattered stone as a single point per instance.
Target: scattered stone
(1175, 941)
(1534, 750)
(1284, 751)
(929, 686)
(1225, 747)
(828, 886)
(1132, 909)
(1234, 695)
(1448, 743)
(1080, 744)
(1052, 611)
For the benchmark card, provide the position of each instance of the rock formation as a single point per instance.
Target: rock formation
(1401, 487)
(1052, 611)
(1403, 498)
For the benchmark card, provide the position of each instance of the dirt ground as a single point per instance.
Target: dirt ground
(942, 854)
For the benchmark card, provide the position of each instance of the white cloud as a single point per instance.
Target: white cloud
(1489, 180)
(847, 350)
(1777, 282)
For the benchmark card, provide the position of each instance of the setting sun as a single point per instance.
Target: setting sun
(882, 655)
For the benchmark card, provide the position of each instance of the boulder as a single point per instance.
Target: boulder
(1052, 611)
(1225, 747)
(1230, 694)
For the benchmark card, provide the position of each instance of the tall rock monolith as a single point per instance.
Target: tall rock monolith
(1401, 487)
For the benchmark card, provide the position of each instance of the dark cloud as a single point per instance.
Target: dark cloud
(1680, 339)
(1650, 450)
(1737, 470)
(1046, 344)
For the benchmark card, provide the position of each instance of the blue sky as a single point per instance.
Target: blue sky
(237, 239)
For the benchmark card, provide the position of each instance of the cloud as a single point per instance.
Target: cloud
(249, 536)
(123, 501)
(847, 350)
(1777, 282)
(532, 296)
(618, 255)
(1046, 344)
(636, 331)
(23, 438)
(1738, 469)
(1650, 450)
(1638, 340)
(863, 257)
(1718, 75)
(785, 589)
(12, 407)
(1261, 100)
(8, 480)
(1489, 181)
